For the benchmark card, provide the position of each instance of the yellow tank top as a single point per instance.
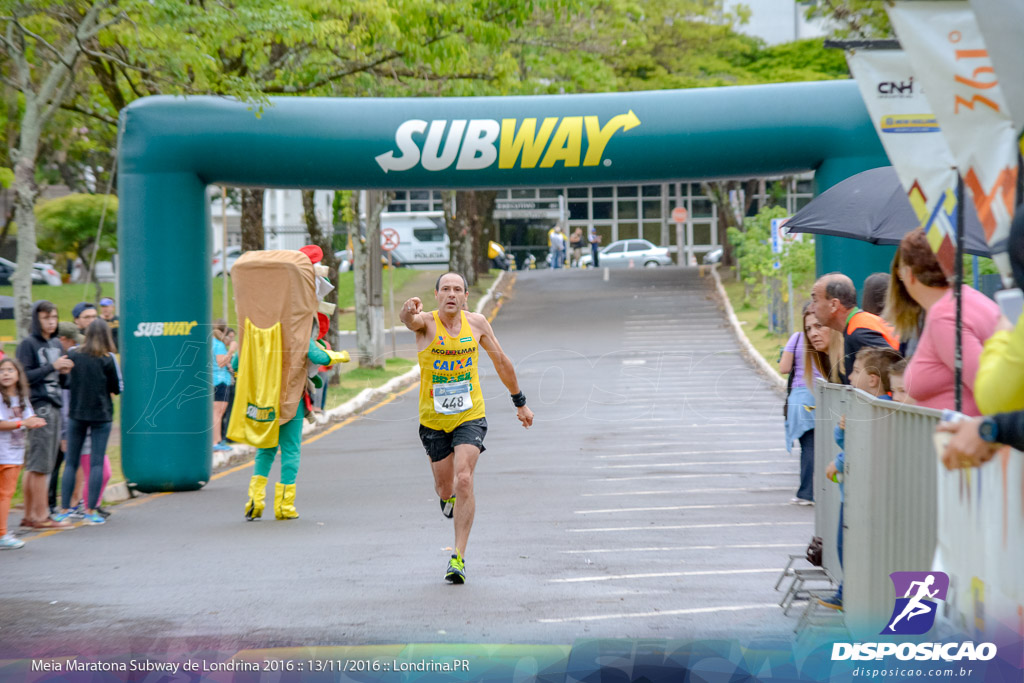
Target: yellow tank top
(449, 382)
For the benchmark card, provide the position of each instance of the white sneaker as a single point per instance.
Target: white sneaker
(9, 542)
(800, 501)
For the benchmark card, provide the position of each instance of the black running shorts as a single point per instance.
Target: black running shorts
(440, 445)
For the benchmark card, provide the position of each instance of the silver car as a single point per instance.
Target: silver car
(42, 273)
(627, 253)
(218, 264)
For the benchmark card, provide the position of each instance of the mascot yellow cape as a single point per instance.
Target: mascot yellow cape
(277, 298)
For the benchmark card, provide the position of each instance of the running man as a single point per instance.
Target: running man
(452, 422)
(915, 606)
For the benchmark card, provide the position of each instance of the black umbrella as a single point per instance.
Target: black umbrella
(873, 207)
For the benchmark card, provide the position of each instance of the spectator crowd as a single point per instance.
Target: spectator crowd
(901, 346)
(57, 409)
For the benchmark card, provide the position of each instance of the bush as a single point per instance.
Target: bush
(765, 284)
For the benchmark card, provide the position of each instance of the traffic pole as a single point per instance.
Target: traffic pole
(391, 295)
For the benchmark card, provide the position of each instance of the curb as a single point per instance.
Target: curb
(745, 346)
(240, 454)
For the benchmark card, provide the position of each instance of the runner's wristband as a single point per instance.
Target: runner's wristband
(19, 425)
(518, 400)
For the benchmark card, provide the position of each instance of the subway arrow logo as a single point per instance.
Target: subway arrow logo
(476, 144)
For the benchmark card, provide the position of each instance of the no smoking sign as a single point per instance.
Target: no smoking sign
(389, 239)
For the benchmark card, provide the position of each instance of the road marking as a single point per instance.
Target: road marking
(777, 424)
(664, 453)
(676, 492)
(350, 420)
(663, 613)
(224, 473)
(649, 477)
(653, 527)
(665, 575)
(685, 464)
(693, 441)
(658, 549)
(669, 508)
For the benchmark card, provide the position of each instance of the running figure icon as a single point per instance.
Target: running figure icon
(916, 606)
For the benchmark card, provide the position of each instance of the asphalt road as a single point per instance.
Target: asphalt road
(649, 500)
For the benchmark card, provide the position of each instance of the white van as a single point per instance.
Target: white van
(423, 238)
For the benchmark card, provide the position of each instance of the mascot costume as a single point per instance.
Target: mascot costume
(279, 301)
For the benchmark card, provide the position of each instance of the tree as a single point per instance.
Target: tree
(71, 224)
(732, 199)
(473, 216)
(253, 237)
(44, 43)
(853, 19)
(459, 208)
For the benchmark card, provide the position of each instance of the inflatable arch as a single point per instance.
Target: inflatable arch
(172, 148)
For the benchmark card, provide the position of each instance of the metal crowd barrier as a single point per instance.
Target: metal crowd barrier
(891, 497)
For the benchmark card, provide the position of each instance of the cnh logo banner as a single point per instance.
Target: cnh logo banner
(914, 613)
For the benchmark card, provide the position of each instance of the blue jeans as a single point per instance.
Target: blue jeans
(77, 429)
(839, 548)
(594, 253)
(806, 490)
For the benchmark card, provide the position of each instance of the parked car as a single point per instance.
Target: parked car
(218, 265)
(6, 272)
(42, 273)
(623, 252)
(423, 239)
(344, 260)
(104, 272)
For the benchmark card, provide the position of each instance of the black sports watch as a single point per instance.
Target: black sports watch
(988, 430)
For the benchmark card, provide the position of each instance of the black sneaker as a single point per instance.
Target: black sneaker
(103, 513)
(448, 507)
(456, 570)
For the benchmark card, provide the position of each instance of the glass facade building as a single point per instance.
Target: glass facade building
(623, 211)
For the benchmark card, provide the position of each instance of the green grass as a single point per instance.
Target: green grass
(409, 282)
(754, 322)
(64, 296)
(355, 380)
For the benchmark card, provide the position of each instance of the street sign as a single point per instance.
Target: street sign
(513, 209)
(389, 239)
(780, 236)
(679, 214)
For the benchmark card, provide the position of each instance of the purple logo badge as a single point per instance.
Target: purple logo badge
(916, 596)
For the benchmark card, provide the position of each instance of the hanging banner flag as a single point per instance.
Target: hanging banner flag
(1000, 23)
(950, 60)
(913, 141)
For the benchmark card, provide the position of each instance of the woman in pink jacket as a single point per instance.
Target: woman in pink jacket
(919, 286)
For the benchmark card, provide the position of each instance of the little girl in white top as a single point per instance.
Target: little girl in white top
(15, 417)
